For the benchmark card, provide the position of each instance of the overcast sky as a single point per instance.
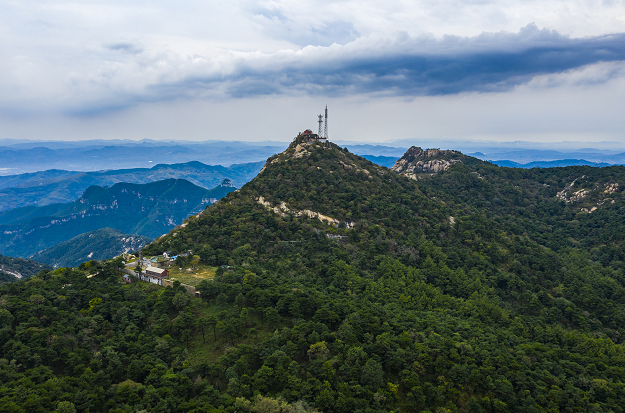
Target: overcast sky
(243, 70)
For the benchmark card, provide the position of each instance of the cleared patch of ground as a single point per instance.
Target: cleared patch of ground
(192, 276)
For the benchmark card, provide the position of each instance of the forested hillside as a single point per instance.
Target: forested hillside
(101, 244)
(13, 269)
(344, 286)
(143, 209)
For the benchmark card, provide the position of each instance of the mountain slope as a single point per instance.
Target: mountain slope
(13, 269)
(100, 244)
(343, 286)
(143, 209)
(559, 208)
(49, 187)
(409, 250)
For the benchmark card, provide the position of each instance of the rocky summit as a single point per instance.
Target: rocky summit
(418, 161)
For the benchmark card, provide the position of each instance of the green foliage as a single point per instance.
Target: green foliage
(411, 311)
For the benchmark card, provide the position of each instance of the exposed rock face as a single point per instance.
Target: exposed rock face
(611, 188)
(226, 183)
(418, 161)
(283, 209)
(590, 195)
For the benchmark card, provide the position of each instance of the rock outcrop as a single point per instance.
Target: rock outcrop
(418, 161)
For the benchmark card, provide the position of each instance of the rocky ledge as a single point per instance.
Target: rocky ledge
(418, 161)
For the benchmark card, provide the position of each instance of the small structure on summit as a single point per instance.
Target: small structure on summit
(308, 133)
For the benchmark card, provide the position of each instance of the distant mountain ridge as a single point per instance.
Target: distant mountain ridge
(100, 244)
(549, 164)
(144, 209)
(58, 186)
(386, 161)
(419, 161)
(115, 156)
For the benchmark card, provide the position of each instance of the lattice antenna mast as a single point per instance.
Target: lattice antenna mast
(325, 126)
(320, 125)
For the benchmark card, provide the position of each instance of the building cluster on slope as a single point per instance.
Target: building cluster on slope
(155, 270)
(151, 269)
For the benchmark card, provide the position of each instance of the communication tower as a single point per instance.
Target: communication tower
(325, 126)
(320, 125)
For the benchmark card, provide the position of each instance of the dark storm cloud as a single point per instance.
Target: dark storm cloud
(407, 66)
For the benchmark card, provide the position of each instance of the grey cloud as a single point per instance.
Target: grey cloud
(400, 66)
(407, 66)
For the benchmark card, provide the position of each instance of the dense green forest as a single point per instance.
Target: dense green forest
(346, 287)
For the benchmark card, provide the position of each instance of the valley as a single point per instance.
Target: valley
(147, 210)
(57, 186)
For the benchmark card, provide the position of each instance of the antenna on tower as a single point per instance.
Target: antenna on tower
(325, 126)
(320, 127)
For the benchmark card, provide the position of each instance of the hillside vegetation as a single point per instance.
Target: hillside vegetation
(343, 286)
(101, 244)
(142, 209)
(14, 269)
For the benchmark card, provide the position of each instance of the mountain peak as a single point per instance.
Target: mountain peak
(226, 183)
(302, 147)
(418, 161)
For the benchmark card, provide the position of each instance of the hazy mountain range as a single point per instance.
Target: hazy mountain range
(143, 209)
(31, 156)
(31, 202)
(22, 158)
(54, 186)
(550, 164)
(389, 161)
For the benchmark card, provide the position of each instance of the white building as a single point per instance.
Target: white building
(154, 275)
